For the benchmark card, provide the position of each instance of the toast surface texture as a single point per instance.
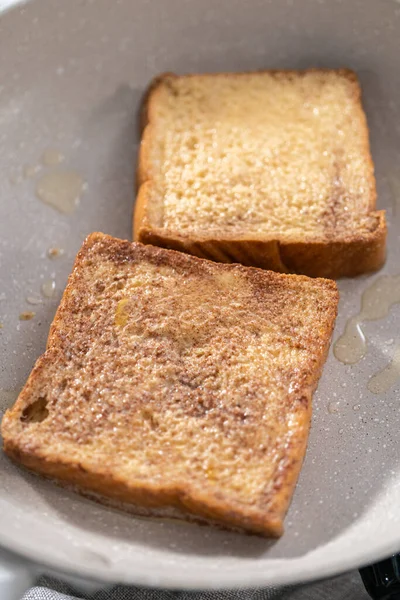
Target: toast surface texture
(271, 169)
(176, 385)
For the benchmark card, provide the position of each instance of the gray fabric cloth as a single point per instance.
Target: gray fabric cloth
(344, 587)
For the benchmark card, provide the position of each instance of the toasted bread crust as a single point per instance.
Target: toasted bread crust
(184, 502)
(333, 259)
(344, 255)
(190, 500)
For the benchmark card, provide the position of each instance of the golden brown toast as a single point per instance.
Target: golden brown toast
(270, 169)
(176, 386)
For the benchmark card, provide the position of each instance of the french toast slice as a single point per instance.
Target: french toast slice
(270, 169)
(176, 386)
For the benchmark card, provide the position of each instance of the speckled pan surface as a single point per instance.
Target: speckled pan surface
(72, 74)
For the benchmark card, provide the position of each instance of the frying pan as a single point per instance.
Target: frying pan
(72, 75)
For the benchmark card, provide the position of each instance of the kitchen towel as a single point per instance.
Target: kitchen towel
(344, 587)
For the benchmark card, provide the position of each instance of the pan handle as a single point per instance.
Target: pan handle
(16, 576)
(382, 580)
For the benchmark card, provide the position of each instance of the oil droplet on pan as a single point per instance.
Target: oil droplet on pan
(382, 381)
(333, 408)
(376, 303)
(52, 157)
(33, 300)
(49, 288)
(61, 190)
(31, 170)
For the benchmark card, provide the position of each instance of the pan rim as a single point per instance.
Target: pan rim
(178, 579)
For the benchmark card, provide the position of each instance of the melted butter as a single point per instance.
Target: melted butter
(52, 157)
(33, 300)
(31, 171)
(61, 190)
(376, 303)
(382, 381)
(49, 288)
(121, 314)
(227, 279)
(333, 408)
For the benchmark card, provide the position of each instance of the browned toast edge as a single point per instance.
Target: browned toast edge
(345, 256)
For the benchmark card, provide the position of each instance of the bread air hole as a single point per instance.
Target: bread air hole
(35, 412)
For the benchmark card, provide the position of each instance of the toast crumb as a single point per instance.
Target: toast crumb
(27, 315)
